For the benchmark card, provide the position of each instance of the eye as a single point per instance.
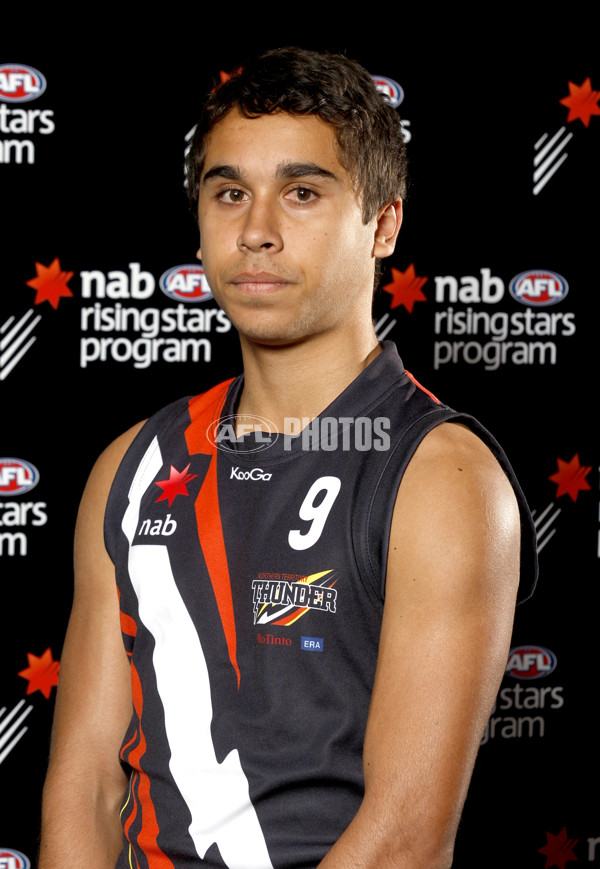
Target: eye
(232, 195)
(302, 195)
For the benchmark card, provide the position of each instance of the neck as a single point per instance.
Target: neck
(298, 381)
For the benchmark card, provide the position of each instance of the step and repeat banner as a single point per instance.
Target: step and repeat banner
(491, 297)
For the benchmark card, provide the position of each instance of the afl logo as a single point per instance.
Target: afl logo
(229, 432)
(17, 476)
(185, 284)
(10, 859)
(538, 289)
(390, 89)
(20, 83)
(530, 662)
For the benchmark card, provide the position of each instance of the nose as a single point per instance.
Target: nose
(260, 230)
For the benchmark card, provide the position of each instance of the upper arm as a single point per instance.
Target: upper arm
(452, 578)
(93, 704)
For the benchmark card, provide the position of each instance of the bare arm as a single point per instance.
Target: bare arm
(85, 782)
(451, 587)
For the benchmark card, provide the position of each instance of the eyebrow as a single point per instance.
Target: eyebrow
(284, 171)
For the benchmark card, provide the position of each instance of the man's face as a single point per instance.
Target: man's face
(283, 243)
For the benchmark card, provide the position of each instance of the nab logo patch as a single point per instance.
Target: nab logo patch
(20, 83)
(312, 644)
(538, 289)
(17, 476)
(390, 89)
(185, 284)
(530, 662)
(10, 859)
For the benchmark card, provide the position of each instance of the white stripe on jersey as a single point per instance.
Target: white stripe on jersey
(216, 794)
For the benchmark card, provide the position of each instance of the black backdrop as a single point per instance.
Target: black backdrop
(92, 196)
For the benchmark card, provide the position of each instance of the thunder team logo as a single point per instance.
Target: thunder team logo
(281, 600)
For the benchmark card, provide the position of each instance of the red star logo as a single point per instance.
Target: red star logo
(175, 485)
(582, 102)
(225, 76)
(558, 849)
(405, 288)
(570, 478)
(50, 283)
(42, 673)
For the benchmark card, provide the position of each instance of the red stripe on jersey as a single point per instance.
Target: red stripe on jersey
(422, 388)
(204, 410)
(140, 791)
(128, 625)
(126, 746)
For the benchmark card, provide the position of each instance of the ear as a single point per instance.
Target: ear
(199, 254)
(389, 221)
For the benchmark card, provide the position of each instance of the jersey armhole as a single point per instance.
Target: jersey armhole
(373, 526)
(152, 428)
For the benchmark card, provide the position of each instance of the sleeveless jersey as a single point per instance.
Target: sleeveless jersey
(251, 576)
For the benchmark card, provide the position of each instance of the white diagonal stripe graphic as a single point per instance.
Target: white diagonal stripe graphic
(547, 161)
(539, 157)
(379, 325)
(13, 339)
(541, 531)
(7, 748)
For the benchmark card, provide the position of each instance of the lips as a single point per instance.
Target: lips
(258, 283)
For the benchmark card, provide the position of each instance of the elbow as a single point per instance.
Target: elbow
(419, 842)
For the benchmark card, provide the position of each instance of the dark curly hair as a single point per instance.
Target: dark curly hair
(333, 87)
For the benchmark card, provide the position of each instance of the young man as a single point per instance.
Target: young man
(292, 602)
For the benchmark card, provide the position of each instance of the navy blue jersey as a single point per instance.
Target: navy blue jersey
(251, 574)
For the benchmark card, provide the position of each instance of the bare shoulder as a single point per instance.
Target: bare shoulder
(453, 447)
(89, 538)
(456, 513)
(108, 461)
(453, 464)
(107, 464)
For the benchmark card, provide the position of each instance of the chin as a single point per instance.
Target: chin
(269, 331)
(271, 338)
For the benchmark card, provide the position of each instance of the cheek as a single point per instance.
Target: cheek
(348, 248)
(213, 246)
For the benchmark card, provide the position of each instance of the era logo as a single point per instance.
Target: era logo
(312, 644)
